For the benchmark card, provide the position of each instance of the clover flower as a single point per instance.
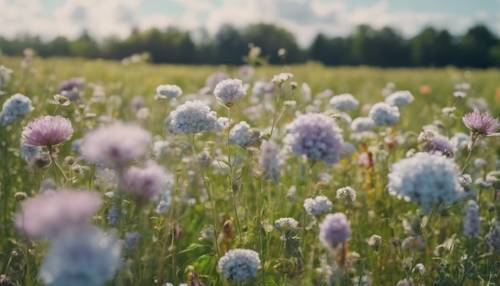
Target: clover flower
(480, 123)
(384, 114)
(229, 91)
(472, 219)
(193, 117)
(145, 183)
(115, 145)
(316, 136)
(317, 206)
(269, 161)
(13, 108)
(51, 212)
(168, 91)
(427, 179)
(334, 230)
(400, 98)
(47, 131)
(82, 257)
(239, 265)
(344, 102)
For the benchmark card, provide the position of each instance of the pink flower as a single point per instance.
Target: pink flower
(51, 212)
(47, 131)
(145, 183)
(480, 123)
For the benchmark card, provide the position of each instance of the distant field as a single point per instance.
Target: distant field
(170, 249)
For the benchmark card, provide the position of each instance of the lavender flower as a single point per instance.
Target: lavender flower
(193, 117)
(145, 183)
(472, 219)
(51, 212)
(344, 102)
(82, 257)
(436, 144)
(480, 123)
(384, 114)
(71, 84)
(426, 179)
(229, 91)
(239, 265)
(362, 124)
(47, 131)
(13, 108)
(317, 206)
(115, 145)
(269, 161)
(168, 91)
(400, 98)
(334, 230)
(316, 136)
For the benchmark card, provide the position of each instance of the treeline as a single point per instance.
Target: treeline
(386, 47)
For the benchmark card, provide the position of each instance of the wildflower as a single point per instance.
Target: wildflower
(72, 88)
(47, 131)
(229, 91)
(281, 78)
(459, 94)
(51, 212)
(435, 143)
(286, 224)
(334, 230)
(317, 206)
(214, 79)
(13, 108)
(316, 136)
(241, 134)
(459, 141)
(384, 114)
(420, 268)
(261, 88)
(145, 183)
(493, 236)
(344, 102)
(426, 179)
(346, 194)
(374, 241)
(193, 117)
(239, 265)
(130, 239)
(472, 219)
(400, 98)
(480, 123)
(115, 145)
(168, 91)
(87, 257)
(29, 153)
(269, 161)
(137, 103)
(362, 124)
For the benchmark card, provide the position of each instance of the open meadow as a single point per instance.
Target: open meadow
(137, 174)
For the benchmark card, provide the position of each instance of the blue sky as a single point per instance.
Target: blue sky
(303, 17)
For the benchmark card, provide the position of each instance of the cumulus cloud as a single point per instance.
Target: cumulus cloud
(304, 17)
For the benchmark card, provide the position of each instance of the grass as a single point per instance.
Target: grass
(241, 204)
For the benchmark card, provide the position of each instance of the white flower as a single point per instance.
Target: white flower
(241, 134)
(317, 206)
(229, 91)
(286, 224)
(344, 102)
(362, 124)
(400, 98)
(346, 194)
(384, 114)
(193, 117)
(168, 91)
(281, 78)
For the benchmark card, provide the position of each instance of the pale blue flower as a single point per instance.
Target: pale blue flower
(384, 114)
(239, 265)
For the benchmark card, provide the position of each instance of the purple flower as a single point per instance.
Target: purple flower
(480, 123)
(316, 136)
(439, 144)
(115, 145)
(334, 230)
(47, 131)
(51, 212)
(72, 83)
(145, 183)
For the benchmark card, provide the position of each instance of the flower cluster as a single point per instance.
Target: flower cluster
(168, 91)
(239, 265)
(400, 98)
(344, 102)
(362, 124)
(384, 114)
(317, 206)
(145, 183)
(229, 91)
(193, 117)
(13, 108)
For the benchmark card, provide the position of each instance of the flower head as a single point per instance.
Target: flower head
(193, 117)
(168, 91)
(47, 131)
(239, 265)
(435, 143)
(13, 108)
(81, 257)
(344, 102)
(115, 145)
(286, 224)
(400, 98)
(145, 183)
(384, 114)
(481, 123)
(316, 136)
(334, 230)
(427, 179)
(317, 206)
(229, 91)
(71, 84)
(51, 212)
(472, 219)
(346, 194)
(241, 134)
(362, 124)
(269, 161)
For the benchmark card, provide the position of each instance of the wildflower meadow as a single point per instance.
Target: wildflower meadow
(137, 174)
